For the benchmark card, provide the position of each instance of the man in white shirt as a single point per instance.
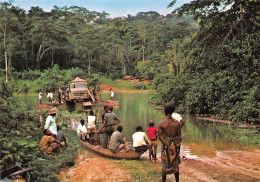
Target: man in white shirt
(50, 123)
(140, 140)
(82, 130)
(50, 97)
(112, 94)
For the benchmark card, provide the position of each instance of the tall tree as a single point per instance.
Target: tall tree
(8, 23)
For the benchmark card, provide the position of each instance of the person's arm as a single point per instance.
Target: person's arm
(58, 142)
(117, 120)
(146, 139)
(156, 133)
(103, 125)
(161, 129)
(121, 139)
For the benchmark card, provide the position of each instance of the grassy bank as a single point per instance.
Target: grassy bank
(142, 170)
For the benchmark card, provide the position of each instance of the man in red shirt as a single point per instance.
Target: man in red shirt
(152, 135)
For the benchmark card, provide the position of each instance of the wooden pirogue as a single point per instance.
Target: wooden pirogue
(16, 173)
(131, 155)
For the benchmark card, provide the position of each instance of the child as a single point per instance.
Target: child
(152, 135)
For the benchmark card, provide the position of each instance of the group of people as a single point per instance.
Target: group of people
(54, 138)
(168, 132)
(86, 133)
(50, 96)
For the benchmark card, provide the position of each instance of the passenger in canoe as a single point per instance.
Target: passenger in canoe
(82, 130)
(91, 124)
(107, 128)
(117, 142)
(140, 140)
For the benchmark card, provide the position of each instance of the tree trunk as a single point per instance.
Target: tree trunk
(38, 60)
(143, 47)
(175, 61)
(6, 67)
(89, 57)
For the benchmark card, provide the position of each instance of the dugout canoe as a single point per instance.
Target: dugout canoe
(16, 173)
(131, 155)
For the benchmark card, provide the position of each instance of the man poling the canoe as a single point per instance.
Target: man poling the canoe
(107, 128)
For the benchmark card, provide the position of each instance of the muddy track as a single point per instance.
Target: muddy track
(227, 166)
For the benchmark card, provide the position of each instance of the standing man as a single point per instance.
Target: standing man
(103, 115)
(40, 97)
(50, 97)
(107, 128)
(170, 135)
(140, 140)
(112, 94)
(59, 95)
(152, 135)
(50, 123)
(117, 142)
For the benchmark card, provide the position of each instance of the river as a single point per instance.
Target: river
(200, 138)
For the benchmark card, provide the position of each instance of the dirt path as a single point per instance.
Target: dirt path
(91, 167)
(227, 166)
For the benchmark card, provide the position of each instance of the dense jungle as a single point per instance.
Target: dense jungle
(203, 57)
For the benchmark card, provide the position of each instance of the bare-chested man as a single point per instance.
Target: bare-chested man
(169, 131)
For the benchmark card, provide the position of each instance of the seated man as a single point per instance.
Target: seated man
(61, 136)
(48, 144)
(140, 140)
(117, 142)
(82, 130)
(91, 123)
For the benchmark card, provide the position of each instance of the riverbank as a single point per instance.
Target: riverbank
(106, 88)
(225, 166)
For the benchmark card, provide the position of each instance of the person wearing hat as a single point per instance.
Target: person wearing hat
(51, 123)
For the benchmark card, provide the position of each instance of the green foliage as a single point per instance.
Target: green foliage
(20, 135)
(50, 79)
(72, 37)
(221, 73)
(120, 84)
